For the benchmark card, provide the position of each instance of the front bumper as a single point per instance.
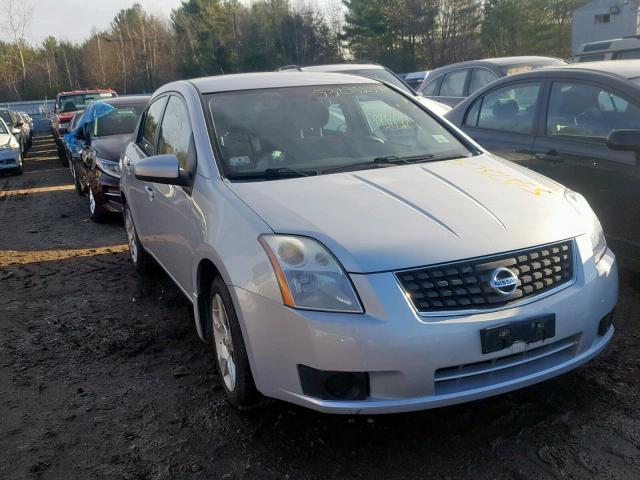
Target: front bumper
(415, 362)
(10, 159)
(106, 191)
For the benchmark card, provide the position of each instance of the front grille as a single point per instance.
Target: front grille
(465, 285)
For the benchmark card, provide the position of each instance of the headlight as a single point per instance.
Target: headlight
(108, 167)
(598, 242)
(309, 276)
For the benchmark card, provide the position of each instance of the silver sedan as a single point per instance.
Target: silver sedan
(347, 250)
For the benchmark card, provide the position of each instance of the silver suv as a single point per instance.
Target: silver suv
(347, 250)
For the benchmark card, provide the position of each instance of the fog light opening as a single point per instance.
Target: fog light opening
(605, 324)
(331, 385)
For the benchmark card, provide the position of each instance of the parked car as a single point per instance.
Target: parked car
(66, 104)
(72, 150)
(453, 83)
(97, 172)
(375, 72)
(556, 121)
(415, 79)
(627, 48)
(27, 127)
(10, 150)
(18, 129)
(388, 265)
(29, 121)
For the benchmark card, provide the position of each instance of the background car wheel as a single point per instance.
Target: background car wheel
(230, 353)
(19, 169)
(136, 250)
(62, 155)
(97, 214)
(76, 181)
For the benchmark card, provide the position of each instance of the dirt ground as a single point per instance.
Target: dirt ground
(102, 376)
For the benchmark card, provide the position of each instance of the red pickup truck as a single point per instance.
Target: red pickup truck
(66, 104)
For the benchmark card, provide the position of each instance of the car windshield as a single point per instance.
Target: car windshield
(6, 116)
(380, 74)
(70, 103)
(313, 130)
(120, 121)
(3, 128)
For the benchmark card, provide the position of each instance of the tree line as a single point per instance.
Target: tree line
(141, 51)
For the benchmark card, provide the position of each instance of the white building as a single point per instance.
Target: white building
(604, 20)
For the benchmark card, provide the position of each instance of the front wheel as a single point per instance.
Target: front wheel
(97, 213)
(136, 250)
(231, 356)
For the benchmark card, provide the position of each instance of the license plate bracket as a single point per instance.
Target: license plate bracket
(503, 336)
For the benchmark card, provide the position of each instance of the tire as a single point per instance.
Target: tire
(230, 353)
(76, 181)
(139, 256)
(62, 155)
(20, 168)
(96, 212)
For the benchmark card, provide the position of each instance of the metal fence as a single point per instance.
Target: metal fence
(39, 110)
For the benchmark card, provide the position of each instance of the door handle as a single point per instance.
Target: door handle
(149, 191)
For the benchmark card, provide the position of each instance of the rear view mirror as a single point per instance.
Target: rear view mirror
(624, 140)
(160, 169)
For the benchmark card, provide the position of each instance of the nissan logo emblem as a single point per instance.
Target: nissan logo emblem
(504, 281)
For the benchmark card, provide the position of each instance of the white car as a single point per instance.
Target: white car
(10, 151)
(348, 250)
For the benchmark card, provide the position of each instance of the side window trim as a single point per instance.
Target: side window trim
(165, 99)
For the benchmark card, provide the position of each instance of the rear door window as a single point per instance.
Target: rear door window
(453, 84)
(149, 127)
(481, 77)
(510, 108)
(432, 89)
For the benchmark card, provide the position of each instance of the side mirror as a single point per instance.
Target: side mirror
(624, 140)
(161, 169)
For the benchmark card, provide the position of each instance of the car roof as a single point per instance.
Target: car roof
(624, 68)
(255, 81)
(498, 62)
(337, 67)
(91, 90)
(128, 100)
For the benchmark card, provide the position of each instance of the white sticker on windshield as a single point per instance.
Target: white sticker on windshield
(440, 138)
(236, 162)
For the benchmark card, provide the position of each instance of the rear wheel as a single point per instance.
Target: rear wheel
(231, 356)
(136, 250)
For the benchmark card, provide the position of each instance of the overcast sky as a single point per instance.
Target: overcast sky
(73, 19)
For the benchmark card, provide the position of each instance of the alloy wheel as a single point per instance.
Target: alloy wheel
(131, 236)
(223, 342)
(92, 202)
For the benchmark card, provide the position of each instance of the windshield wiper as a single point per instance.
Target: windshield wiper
(380, 162)
(270, 174)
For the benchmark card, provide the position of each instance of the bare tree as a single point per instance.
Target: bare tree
(17, 21)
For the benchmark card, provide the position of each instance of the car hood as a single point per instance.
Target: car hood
(436, 107)
(110, 148)
(401, 217)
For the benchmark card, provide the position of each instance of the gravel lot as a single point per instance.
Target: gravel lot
(102, 376)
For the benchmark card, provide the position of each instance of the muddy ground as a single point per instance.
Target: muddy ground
(102, 376)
